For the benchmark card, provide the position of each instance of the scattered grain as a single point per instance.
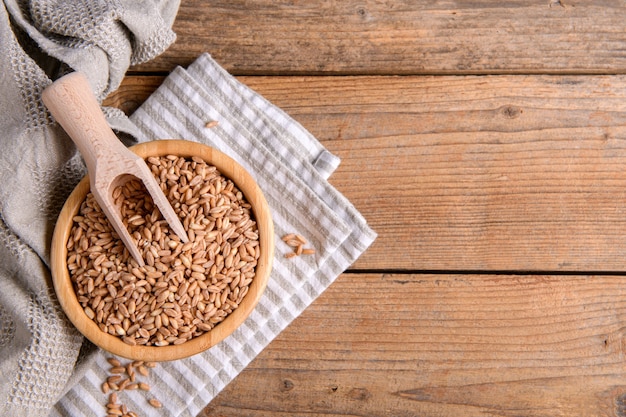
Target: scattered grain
(124, 384)
(114, 362)
(297, 243)
(155, 403)
(142, 370)
(113, 406)
(114, 379)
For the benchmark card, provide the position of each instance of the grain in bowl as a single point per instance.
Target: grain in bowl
(184, 289)
(188, 296)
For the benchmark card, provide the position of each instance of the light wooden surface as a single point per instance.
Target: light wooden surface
(485, 143)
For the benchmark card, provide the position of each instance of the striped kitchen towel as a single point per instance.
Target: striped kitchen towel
(291, 167)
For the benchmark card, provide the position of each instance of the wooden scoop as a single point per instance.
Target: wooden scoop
(109, 163)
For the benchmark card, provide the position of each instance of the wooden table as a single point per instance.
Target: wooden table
(485, 142)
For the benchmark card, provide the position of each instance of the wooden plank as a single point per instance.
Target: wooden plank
(482, 173)
(444, 345)
(473, 173)
(133, 92)
(400, 37)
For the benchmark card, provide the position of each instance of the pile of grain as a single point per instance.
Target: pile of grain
(184, 289)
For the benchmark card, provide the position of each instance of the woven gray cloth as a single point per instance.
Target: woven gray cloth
(41, 354)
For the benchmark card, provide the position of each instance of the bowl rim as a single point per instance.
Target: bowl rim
(68, 299)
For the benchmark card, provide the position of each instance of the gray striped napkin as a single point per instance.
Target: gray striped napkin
(291, 167)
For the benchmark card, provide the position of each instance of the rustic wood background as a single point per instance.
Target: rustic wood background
(485, 142)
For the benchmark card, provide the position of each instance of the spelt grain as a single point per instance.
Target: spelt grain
(297, 242)
(124, 384)
(223, 246)
(114, 379)
(89, 312)
(143, 370)
(155, 403)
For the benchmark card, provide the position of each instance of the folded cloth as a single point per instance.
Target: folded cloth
(41, 353)
(291, 168)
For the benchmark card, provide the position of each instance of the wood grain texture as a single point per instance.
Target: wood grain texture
(400, 37)
(470, 173)
(444, 345)
(476, 137)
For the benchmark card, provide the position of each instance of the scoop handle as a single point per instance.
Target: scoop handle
(74, 106)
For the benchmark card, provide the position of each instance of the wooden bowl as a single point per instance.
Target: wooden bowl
(113, 344)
